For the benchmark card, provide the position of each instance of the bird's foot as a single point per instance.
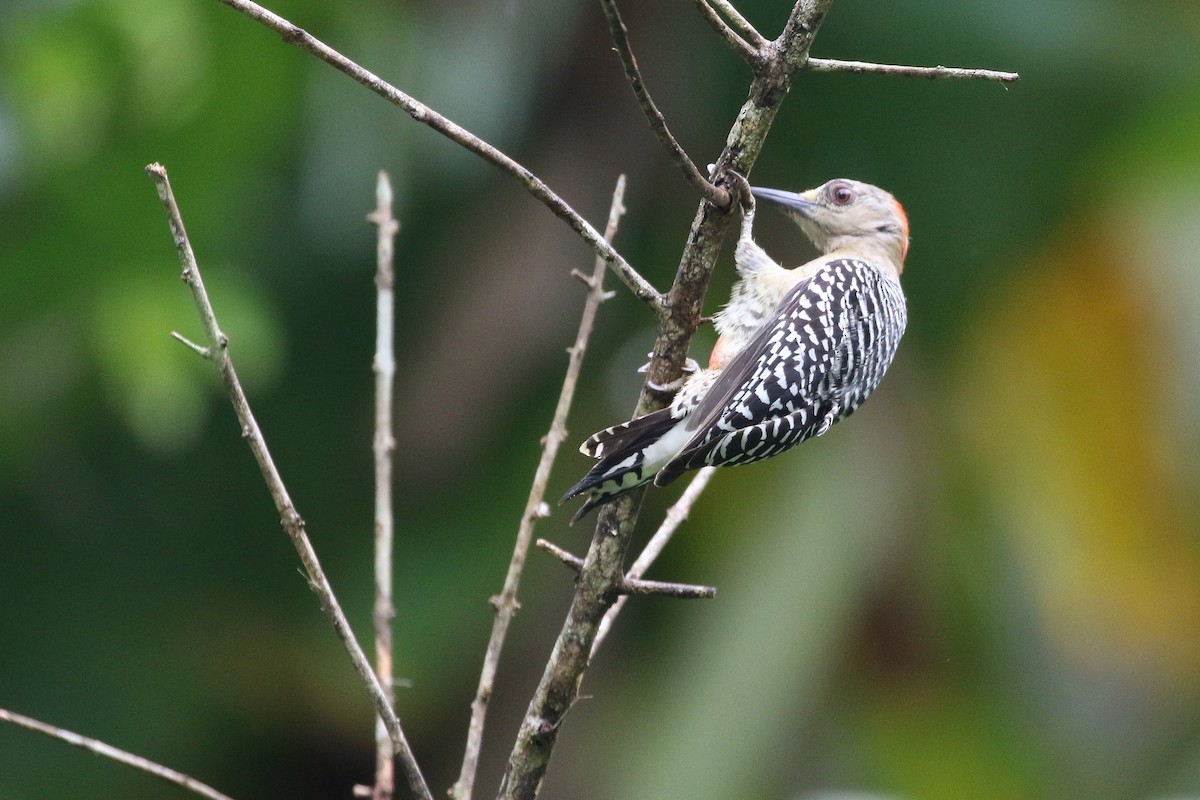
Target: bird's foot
(745, 197)
(690, 368)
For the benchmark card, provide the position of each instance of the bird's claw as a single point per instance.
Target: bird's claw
(667, 388)
(690, 367)
(644, 368)
(741, 187)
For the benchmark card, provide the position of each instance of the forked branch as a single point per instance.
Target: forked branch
(218, 352)
(634, 585)
(603, 569)
(753, 48)
(749, 45)
(741, 23)
(675, 517)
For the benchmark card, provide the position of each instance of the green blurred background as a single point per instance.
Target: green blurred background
(986, 585)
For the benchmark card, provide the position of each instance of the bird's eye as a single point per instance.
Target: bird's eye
(841, 194)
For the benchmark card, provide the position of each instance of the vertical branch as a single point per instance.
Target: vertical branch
(289, 517)
(505, 603)
(383, 448)
(603, 569)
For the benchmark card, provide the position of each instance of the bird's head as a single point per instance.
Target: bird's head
(846, 214)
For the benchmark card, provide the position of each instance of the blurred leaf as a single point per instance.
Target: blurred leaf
(158, 385)
(1068, 397)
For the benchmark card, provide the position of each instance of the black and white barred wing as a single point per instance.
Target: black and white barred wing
(826, 349)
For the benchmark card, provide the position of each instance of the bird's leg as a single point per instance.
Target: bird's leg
(748, 255)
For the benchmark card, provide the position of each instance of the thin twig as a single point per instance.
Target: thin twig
(569, 559)
(383, 447)
(749, 53)
(679, 591)
(200, 350)
(864, 67)
(505, 603)
(422, 113)
(289, 517)
(658, 124)
(633, 585)
(114, 754)
(741, 23)
(756, 40)
(675, 516)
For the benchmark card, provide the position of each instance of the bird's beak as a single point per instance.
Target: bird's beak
(801, 204)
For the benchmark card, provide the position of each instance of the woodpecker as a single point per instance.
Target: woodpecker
(799, 349)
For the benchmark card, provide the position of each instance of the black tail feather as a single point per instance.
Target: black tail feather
(613, 446)
(628, 436)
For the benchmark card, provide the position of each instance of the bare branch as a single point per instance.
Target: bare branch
(289, 517)
(749, 53)
(676, 514)
(505, 603)
(422, 113)
(383, 447)
(628, 586)
(114, 754)
(864, 67)
(200, 350)
(570, 560)
(741, 23)
(680, 591)
(658, 124)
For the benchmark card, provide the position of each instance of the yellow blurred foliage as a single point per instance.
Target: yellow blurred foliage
(1066, 403)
